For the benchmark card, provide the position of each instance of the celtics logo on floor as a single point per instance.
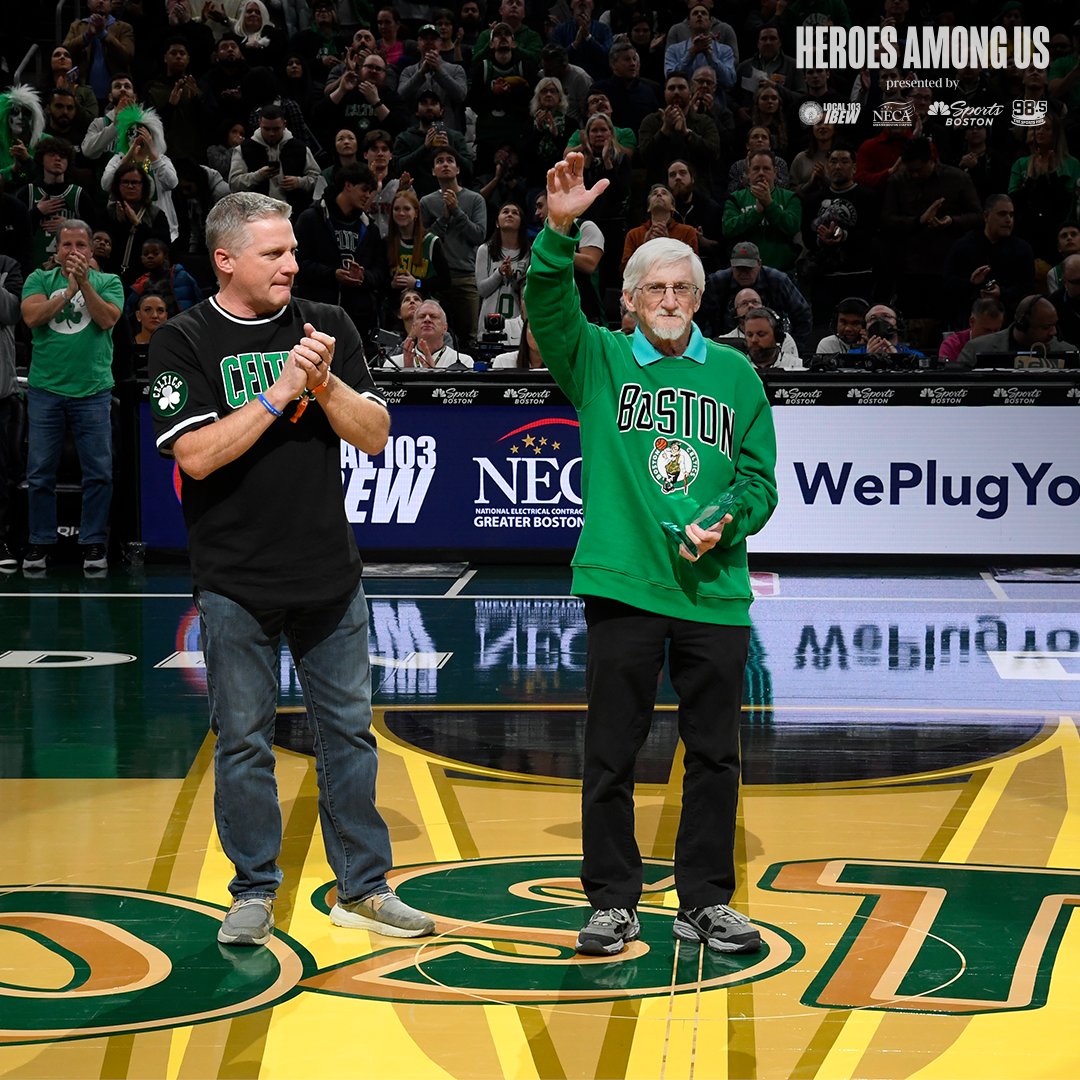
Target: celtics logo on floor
(82, 961)
(505, 931)
(86, 961)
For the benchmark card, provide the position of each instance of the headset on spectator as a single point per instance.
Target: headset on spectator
(1022, 318)
(774, 320)
(850, 305)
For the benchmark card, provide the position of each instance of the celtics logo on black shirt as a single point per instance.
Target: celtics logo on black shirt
(169, 394)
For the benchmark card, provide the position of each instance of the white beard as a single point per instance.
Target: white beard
(669, 332)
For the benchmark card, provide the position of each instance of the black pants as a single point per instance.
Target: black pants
(706, 663)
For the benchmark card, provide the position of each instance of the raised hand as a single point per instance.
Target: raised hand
(567, 196)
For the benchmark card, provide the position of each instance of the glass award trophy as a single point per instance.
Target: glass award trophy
(727, 502)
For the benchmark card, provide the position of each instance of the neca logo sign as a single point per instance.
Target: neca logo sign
(894, 114)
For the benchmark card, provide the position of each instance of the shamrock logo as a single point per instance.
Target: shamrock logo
(169, 394)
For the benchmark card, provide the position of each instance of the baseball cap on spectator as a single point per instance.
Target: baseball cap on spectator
(320, 5)
(502, 29)
(428, 30)
(428, 94)
(745, 254)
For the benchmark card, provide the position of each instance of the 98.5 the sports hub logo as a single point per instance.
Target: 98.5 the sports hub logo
(1029, 112)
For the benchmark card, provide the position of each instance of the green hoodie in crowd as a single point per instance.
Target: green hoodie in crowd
(660, 436)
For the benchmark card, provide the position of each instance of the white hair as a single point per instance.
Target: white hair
(543, 84)
(658, 253)
(238, 23)
(433, 303)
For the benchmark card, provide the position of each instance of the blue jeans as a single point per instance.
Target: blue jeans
(329, 646)
(48, 418)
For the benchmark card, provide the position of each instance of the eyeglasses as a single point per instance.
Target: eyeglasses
(683, 290)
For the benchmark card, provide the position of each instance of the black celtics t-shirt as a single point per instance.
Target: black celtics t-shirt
(269, 529)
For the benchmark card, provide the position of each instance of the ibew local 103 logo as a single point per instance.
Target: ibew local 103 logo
(961, 114)
(829, 112)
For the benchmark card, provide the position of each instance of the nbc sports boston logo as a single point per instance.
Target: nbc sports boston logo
(961, 114)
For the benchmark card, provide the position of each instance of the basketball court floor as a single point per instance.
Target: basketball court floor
(909, 837)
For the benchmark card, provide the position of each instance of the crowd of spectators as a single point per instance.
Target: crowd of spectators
(412, 142)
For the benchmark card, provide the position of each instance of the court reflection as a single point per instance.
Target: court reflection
(69, 691)
(778, 747)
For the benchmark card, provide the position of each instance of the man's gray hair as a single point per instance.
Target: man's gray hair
(770, 316)
(618, 49)
(226, 224)
(75, 225)
(658, 253)
(433, 303)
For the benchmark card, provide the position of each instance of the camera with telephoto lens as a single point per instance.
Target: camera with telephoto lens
(881, 328)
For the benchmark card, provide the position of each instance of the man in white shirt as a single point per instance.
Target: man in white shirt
(747, 301)
(429, 344)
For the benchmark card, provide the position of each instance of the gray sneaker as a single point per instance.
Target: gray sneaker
(607, 932)
(720, 927)
(385, 913)
(250, 921)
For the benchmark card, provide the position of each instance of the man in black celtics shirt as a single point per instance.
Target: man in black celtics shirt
(252, 392)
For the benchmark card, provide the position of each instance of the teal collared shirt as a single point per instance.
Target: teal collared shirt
(646, 353)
